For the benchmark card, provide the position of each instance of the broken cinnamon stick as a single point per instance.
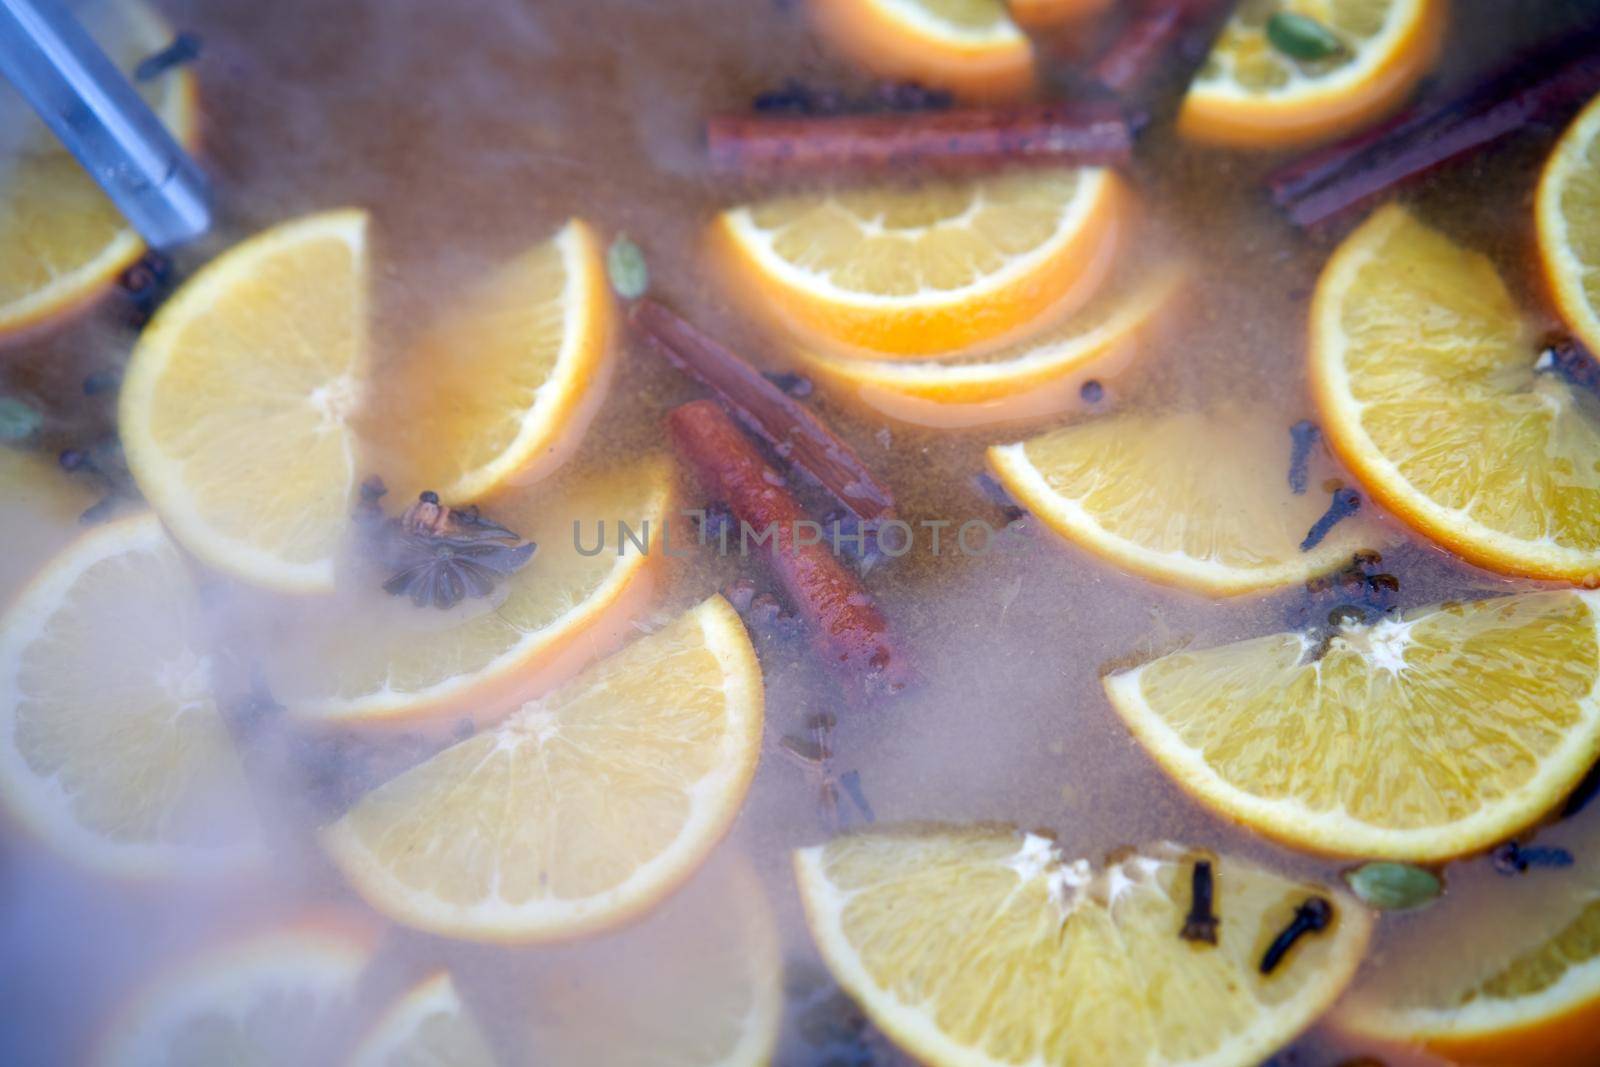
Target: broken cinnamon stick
(1546, 87)
(1161, 40)
(952, 140)
(789, 427)
(847, 628)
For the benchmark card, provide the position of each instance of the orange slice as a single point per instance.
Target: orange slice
(501, 389)
(1032, 13)
(969, 46)
(1568, 212)
(1250, 94)
(428, 1025)
(61, 239)
(898, 271)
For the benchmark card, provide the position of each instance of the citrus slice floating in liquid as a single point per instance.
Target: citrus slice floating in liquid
(1201, 501)
(1568, 212)
(62, 241)
(41, 514)
(896, 271)
(980, 946)
(1421, 736)
(237, 404)
(1427, 377)
(580, 810)
(969, 46)
(374, 658)
(112, 749)
(1251, 93)
(500, 390)
(428, 1024)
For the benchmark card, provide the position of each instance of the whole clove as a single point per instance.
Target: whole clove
(1311, 917)
(438, 555)
(1092, 392)
(1346, 502)
(145, 285)
(850, 782)
(1511, 858)
(1201, 922)
(1302, 436)
(1575, 364)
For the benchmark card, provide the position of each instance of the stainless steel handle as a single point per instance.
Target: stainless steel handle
(103, 121)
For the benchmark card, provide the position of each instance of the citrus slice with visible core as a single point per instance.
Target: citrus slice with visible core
(1521, 989)
(61, 239)
(374, 658)
(1568, 212)
(1201, 501)
(429, 1025)
(1040, 376)
(41, 515)
(968, 46)
(1421, 736)
(697, 983)
(274, 997)
(503, 386)
(111, 746)
(236, 406)
(908, 271)
(1428, 379)
(1252, 92)
(582, 808)
(981, 946)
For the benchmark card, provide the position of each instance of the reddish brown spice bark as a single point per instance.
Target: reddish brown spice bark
(954, 140)
(847, 629)
(1161, 40)
(1542, 89)
(789, 427)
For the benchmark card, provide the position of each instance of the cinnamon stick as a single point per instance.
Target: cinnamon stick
(847, 628)
(948, 140)
(1544, 88)
(789, 427)
(1161, 40)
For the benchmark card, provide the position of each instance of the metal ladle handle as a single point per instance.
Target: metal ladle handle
(102, 120)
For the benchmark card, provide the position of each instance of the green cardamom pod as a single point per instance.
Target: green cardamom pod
(1394, 886)
(1300, 37)
(18, 421)
(630, 275)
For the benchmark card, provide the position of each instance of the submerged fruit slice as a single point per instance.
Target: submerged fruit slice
(1034, 13)
(428, 1025)
(501, 389)
(1520, 989)
(698, 982)
(61, 238)
(980, 946)
(1568, 211)
(1041, 375)
(1425, 372)
(236, 407)
(1201, 501)
(939, 266)
(1419, 737)
(1252, 92)
(40, 516)
(111, 746)
(969, 46)
(270, 998)
(581, 809)
(377, 658)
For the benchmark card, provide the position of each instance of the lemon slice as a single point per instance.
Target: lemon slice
(1198, 500)
(377, 658)
(1420, 737)
(1496, 972)
(40, 516)
(274, 997)
(695, 984)
(1568, 211)
(940, 266)
(981, 946)
(969, 46)
(235, 410)
(111, 746)
(1425, 372)
(503, 386)
(1249, 93)
(427, 1025)
(583, 808)
(1041, 375)
(62, 238)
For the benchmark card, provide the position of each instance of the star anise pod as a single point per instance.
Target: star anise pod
(439, 555)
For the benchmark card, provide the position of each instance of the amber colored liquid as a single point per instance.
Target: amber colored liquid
(473, 128)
